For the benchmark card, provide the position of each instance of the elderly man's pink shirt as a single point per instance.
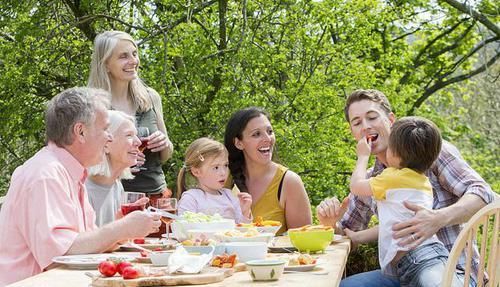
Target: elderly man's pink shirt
(45, 209)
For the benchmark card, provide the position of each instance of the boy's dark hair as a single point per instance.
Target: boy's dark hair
(371, 95)
(416, 141)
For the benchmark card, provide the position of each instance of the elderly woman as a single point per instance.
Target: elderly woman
(103, 184)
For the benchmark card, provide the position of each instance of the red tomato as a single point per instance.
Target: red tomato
(107, 268)
(139, 241)
(158, 249)
(144, 254)
(122, 265)
(130, 273)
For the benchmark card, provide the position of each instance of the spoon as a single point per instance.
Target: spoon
(163, 212)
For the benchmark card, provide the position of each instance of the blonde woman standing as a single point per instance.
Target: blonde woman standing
(114, 67)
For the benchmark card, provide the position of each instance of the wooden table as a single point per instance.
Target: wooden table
(333, 263)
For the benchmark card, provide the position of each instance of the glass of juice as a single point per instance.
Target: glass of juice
(168, 205)
(129, 202)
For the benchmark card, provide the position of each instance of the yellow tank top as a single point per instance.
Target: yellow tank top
(268, 205)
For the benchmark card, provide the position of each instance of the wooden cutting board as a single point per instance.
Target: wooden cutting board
(208, 275)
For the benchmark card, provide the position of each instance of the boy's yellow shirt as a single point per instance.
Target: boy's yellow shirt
(394, 178)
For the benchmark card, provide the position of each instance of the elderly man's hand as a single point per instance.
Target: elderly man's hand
(140, 224)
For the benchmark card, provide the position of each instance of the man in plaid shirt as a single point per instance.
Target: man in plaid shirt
(459, 192)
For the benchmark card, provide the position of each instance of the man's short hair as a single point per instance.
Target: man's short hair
(71, 106)
(416, 141)
(371, 95)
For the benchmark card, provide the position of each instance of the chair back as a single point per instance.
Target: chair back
(486, 222)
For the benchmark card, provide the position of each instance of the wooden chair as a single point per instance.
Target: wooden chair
(489, 218)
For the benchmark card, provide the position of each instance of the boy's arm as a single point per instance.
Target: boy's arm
(359, 183)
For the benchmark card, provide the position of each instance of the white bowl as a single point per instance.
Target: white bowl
(265, 270)
(261, 237)
(160, 258)
(202, 233)
(261, 229)
(180, 227)
(247, 251)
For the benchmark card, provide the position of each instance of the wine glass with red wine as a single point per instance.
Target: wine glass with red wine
(143, 134)
(168, 205)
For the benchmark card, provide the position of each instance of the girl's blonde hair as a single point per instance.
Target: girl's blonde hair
(116, 119)
(198, 151)
(104, 44)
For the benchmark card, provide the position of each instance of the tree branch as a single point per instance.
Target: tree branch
(86, 26)
(466, 9)
(441, 84)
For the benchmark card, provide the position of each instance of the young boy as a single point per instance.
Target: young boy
(414, 144)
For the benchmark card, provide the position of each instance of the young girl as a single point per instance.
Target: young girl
(206, 160)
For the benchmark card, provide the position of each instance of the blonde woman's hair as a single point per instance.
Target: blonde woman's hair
(116, 119)
(104, 44)
(198, 151)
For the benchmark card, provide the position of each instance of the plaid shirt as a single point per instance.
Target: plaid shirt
(451, 177)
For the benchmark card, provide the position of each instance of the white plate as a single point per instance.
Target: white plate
(87, 261)
(302, 268)
(151, 244)
(337, 238)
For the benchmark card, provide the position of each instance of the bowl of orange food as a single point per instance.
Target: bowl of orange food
(261, 225)
(311, 238)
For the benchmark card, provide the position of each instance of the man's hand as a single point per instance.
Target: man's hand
(330, 210)
(416, 230)
(140, 224)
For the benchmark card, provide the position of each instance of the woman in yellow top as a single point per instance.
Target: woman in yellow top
(277, 192)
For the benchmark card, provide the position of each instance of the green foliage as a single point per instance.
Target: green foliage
(298, 59)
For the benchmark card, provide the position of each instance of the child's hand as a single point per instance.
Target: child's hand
(363, 147)
(245, 203)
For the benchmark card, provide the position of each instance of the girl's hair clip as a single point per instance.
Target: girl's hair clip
(200, 157)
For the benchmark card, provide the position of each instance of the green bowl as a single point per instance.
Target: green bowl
(311, 241)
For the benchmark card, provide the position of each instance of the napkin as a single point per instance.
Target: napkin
(182, 262)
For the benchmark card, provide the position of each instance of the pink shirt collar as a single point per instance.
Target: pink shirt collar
(76, 170)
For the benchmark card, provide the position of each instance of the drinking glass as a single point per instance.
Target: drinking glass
(129, 200)
(169, 205)
(142, 134)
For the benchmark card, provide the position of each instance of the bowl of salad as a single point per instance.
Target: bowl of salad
(199, 221)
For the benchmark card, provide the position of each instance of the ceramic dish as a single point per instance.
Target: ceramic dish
(301, 268)
(261, 237)
(86, 261)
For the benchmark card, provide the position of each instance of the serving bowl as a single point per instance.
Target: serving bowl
(310, 241)
(265, 270)
(247, 251)
(260, 229)
(160, 258)
(235, 237)
(180, 227)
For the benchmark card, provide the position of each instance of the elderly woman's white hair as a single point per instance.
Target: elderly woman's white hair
(116, 119)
